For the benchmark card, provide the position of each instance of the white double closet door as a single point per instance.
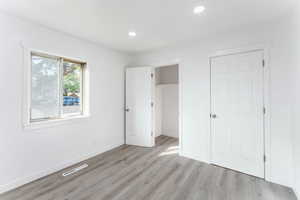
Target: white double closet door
(237, 119)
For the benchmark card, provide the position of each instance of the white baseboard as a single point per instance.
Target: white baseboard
(159, 134)
(170, 133)
(27, 179)
(297, 194)
(193, 157)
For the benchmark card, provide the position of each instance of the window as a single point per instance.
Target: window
(56, 87)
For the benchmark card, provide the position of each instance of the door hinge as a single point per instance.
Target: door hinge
(264, 110)
(265, 158)
(152, 104)
(152, 75)
(263, 63)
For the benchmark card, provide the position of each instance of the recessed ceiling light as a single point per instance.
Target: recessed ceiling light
(131, 34)
(199, 9)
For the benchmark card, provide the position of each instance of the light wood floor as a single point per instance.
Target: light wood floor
(135, 173)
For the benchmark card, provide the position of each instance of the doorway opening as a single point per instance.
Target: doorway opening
(151, 104)
(166, 101)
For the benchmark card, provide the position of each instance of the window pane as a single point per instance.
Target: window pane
(72, 87)
(44, 87)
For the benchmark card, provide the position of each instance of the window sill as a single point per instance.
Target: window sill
(54, 122)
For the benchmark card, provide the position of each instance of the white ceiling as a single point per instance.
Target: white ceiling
(158, 23)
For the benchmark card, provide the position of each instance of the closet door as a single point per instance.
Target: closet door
(139, 106)
(237, 119)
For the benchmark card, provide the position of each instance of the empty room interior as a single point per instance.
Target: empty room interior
(150, 100)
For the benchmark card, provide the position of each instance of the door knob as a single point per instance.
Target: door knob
(213, 116)
(127, 109)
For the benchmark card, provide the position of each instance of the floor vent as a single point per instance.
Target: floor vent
(72, 171)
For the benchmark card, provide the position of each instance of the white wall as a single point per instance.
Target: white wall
(195, 89)
(158, 111)
(170, 121)
(295, 60)
(166, 110)
(26, 155)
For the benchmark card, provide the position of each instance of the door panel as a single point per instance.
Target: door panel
(237, 101)
(139, 112)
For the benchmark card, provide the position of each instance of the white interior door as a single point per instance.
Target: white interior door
(237, 119)
(139, 106)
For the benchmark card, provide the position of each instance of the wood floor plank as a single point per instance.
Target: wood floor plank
(136, 173)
